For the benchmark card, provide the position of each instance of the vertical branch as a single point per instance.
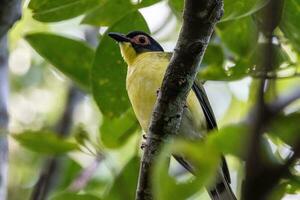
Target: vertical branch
(256, 187)
(3, 116)
(10, 12)
(199, 19)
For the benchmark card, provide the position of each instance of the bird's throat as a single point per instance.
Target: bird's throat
(128, 52)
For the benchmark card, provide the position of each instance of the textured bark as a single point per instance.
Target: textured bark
(199, 19)
(10, 12)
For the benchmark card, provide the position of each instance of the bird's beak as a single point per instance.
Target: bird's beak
(119, 37)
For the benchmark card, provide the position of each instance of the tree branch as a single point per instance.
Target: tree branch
(86, 174)
(261, 178)
(199, 18)
(10, 12)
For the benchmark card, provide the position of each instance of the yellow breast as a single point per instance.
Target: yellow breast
(144, 78)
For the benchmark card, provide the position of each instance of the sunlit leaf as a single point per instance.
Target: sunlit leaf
(109, 69)
(72, 57)
(115, 132)
(73, 196)
(57, 10)
(290, 22)
(45, 142)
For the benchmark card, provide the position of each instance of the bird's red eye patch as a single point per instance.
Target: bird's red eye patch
(141, 40)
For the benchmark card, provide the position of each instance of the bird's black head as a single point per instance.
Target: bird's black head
(140, 41)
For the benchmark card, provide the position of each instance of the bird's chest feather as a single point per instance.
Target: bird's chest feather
(143, 81)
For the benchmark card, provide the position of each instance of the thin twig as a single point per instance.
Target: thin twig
(199, 19)
(10, 12)
(85, 175)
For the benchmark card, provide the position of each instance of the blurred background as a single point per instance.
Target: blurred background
(99, 155)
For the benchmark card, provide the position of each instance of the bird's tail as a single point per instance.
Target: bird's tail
(221, 190)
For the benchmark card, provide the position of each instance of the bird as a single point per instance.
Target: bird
(147, 63)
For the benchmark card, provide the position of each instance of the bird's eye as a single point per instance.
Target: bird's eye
(142, 40)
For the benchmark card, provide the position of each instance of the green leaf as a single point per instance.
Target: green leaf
(236, 9)
(58, 10)
(177, 7)
(286, 128)
(167, 187)
(115, 132)
(109, 69)
(232, 9)
(45, 142)
(111, 11)
(214, 56)
(108, 12)
(124, 185)
(72, 57)
(70, 170)
(240, 36)
(238, 134)
(72, 196)
(290, 22)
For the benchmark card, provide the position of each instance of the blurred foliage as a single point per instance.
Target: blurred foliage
(45, 142)
(57, 31)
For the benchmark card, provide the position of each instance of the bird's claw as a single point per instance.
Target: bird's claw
(157, 91)
(143, 146)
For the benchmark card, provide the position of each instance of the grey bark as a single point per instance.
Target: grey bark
(199, 19)
(10, 12)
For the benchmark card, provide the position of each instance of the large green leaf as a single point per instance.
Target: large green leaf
(115, 132)
(124, 185)
(236, 9)
(110, 11)
(232, 9)
(72, 57)
(109, 69)
(57, 10)
(73, 196)
(290, 22)
(240, 36)
(45, 142)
